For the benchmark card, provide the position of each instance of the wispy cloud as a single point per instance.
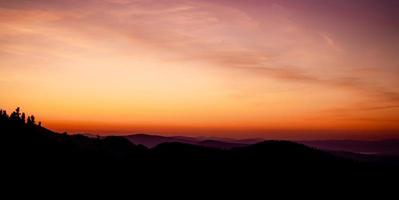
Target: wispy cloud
(330, 42)
(273, 43)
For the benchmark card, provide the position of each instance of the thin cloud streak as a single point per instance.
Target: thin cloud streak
(209, 50)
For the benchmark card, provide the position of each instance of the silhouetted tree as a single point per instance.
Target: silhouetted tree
(23, 118)
(3, 115)
(17, 111)
(32, 119)
(16, 115)
(16, 118)
(13, 116)
(29, 121)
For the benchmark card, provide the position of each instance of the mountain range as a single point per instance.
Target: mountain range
(30, 150)
(378, 147)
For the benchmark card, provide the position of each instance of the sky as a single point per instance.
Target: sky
(281, 69)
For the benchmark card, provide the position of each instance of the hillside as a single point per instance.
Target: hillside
(31, 147)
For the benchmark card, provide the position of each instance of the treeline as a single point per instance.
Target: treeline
(16, 117)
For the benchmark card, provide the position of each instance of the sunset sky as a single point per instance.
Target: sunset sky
(285, 69)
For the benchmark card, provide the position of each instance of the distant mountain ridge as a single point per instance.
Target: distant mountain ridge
(151, 141)
(380, 147)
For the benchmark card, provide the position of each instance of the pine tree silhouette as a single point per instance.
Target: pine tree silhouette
(32, 119)
(29, 121)
(23, 118)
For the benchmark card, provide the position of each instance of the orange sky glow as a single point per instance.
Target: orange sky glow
(273, 69)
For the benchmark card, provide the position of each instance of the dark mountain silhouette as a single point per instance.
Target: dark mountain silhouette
(220, 144)
(151, 141)
(28, 149)
(382, 147)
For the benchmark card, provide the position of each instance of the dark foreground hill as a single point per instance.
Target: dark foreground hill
(28, 149)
